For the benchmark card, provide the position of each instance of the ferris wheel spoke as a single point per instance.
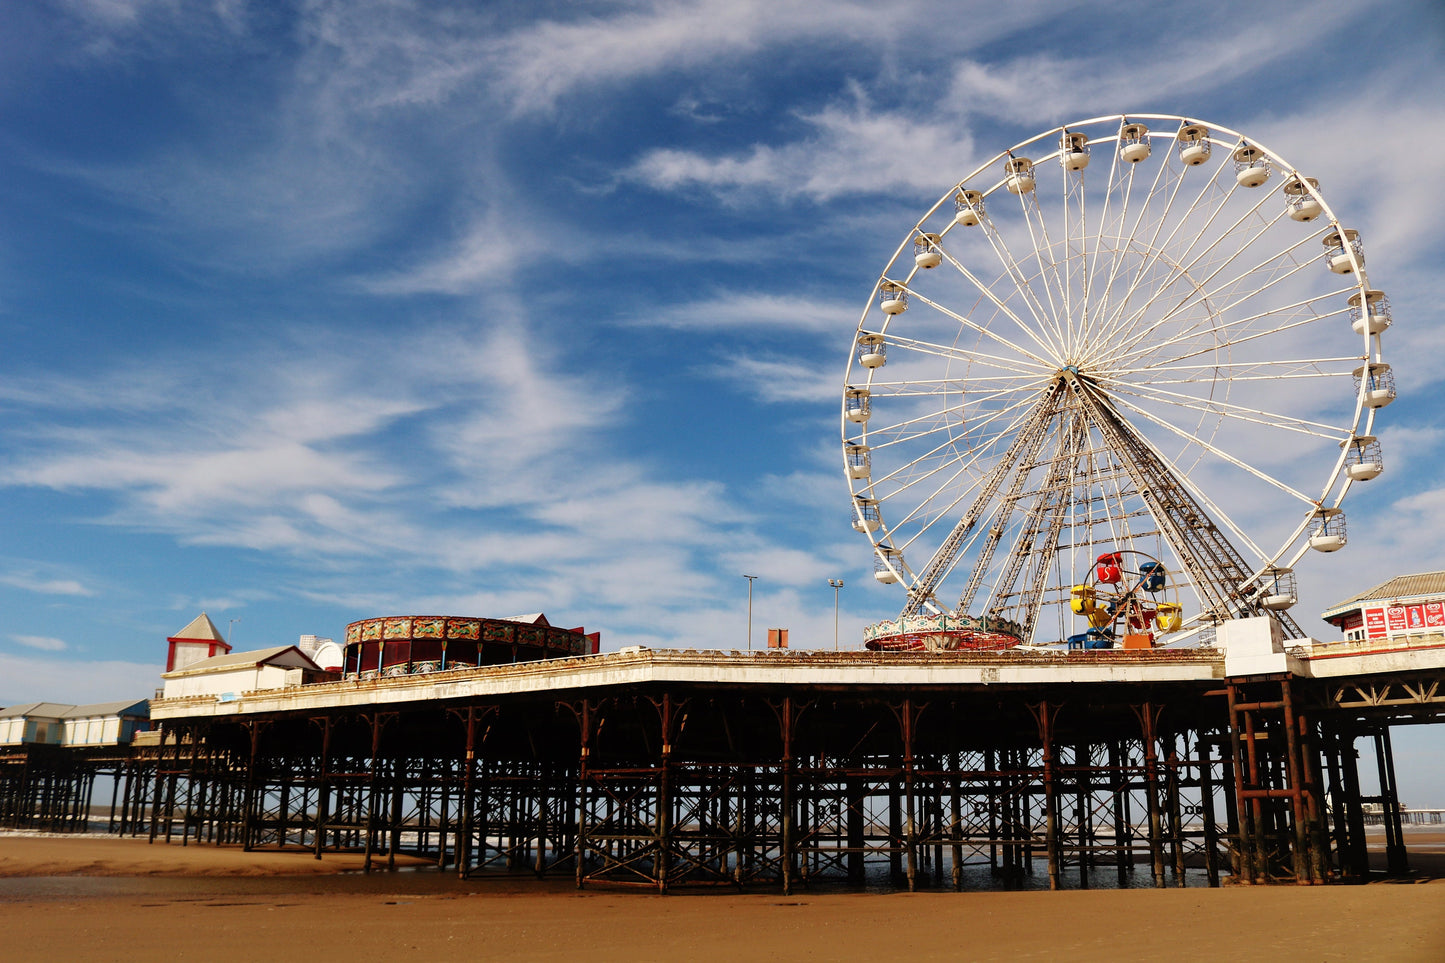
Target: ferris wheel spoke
(1118, 518)
(1212, 343)
(910, 389)
(1186, 517)
(1044, 257)
(1042, 344)
(1044, 251)
(1289, 268)
(950, 414)
(929, 389)
(1241, 378)
(1211, 448)
(1240, 370)
(1219, 208)
(1196, 292)
(915, 437)
(1018, 365)
(1282, 262)
(1200, 295)
(1091, 258)
(1098, 318)
(1172, 181)
(1211, 406)
(1045, 326)
(979, 451)
(1007, 507)
(1156, 249)
(1037, 536)
(1025, 439)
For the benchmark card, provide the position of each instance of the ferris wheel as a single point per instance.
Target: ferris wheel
(1141, 336)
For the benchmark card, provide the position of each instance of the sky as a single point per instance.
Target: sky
(319, 311)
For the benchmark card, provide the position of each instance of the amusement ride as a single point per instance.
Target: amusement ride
(1110, 389)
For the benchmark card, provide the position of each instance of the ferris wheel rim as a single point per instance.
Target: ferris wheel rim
(886, 538)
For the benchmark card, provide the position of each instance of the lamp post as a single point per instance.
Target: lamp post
(229, 626)
(750, 579)
(837, 584)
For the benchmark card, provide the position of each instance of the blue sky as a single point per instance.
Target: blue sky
(319, 311)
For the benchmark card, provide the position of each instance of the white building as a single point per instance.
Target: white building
(227, 676)
(324, 652)
(55, 724)
(198, 640)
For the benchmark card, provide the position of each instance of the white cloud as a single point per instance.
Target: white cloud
(508, 473)
(116, 29)
(498, 459)
(71, 681)
(223, 603)
(46, 642)
(45, 586)
(525, 407)
(753, 309)
(852, 149)
(258, 456)
(546, 61)
(781, 379)
(1045, 88)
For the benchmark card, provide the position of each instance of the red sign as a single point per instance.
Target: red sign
(1416, 616)
(1435, 614)
(1375, 623)
(1352, 621)
(1395, 616)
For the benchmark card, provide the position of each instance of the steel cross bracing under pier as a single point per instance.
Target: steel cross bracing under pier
(667, 768)
(666, 788)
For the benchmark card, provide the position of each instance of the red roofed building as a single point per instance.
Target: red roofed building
(199, 640)
(1405, 607)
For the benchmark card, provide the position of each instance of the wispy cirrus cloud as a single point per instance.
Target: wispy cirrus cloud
(738, 310)
(851, 149)
(1045, 88)
(548, 60)
(504, 470)
(258, 456)
(30, 582)
(782, 379)
(47, 643)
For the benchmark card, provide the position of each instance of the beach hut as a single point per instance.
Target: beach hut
(33, 724)
(104, 723)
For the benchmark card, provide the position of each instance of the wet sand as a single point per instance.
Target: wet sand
(101, 898)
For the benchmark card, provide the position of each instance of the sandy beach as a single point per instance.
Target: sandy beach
(101, 898)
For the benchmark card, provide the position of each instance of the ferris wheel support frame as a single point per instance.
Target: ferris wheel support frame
(1051, 524)
(1030, 436)
(1215, 566)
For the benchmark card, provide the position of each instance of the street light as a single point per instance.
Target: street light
(750, 579)
(837, 584)
(229, 626)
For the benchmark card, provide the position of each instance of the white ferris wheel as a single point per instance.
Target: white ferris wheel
(1132, 336)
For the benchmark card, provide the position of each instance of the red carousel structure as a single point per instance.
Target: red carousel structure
(417, 644)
